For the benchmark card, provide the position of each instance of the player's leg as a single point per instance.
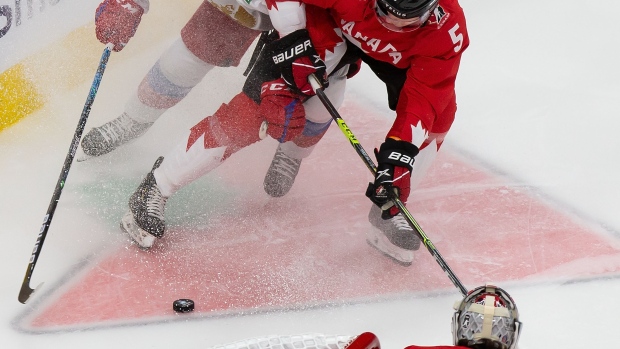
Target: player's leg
(393, 237)
(210, 38)
(173, 76)
(233, 126)
(287, 160)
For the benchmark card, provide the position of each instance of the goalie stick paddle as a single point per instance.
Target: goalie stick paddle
(318, 89)
(26, 291)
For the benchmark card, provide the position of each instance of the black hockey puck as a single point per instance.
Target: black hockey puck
(183, 305)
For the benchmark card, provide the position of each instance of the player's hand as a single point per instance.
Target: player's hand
(283, 110)
(116, 21)
(297, 58)
(393, 178)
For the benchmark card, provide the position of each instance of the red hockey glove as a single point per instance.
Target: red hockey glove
(394, 164)
(296, 57)
(116, 21)
(366, 340)
(283, 110)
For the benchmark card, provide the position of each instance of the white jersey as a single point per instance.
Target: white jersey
(252, 13)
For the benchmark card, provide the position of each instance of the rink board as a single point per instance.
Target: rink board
(308, 248)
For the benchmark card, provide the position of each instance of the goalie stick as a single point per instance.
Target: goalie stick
(318, 89)
(25, 292)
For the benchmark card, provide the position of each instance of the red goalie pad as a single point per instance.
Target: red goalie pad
(366, 340)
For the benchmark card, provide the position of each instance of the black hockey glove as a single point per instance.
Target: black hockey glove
(296, 57)
(393, 177)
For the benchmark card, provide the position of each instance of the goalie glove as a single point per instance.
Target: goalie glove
(393, 178)
(297, 59)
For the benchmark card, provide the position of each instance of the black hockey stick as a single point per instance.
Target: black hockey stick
(318, 89)
(26, 291)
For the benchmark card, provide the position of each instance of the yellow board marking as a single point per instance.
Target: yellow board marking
(18, 96)
(71, 61)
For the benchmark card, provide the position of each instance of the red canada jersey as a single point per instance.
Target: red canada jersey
(431, 54)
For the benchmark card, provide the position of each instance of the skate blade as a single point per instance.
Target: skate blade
(81, 156)
(381, 243)
(138, 235)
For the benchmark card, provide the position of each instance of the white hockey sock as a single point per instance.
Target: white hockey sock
(181, 167)
(294, 151)
(140, 112)
(422, 163)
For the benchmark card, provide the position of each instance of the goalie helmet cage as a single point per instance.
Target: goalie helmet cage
(300, 341)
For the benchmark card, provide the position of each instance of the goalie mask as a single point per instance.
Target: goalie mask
(486, 318)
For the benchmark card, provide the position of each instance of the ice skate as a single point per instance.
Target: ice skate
(137, 234)
(281, 174)
(393, 237)
(146, 211)
(109, 136)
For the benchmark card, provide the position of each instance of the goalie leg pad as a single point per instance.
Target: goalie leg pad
(366, 340)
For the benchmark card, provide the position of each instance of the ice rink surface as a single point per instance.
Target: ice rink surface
(524, 194)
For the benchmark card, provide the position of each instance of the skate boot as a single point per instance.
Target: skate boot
(281, 174)
(393, 237)
(144, 222)
(107, 137)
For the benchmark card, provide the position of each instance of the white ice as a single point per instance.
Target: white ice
(538, 94)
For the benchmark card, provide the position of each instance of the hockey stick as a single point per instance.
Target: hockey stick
(318, 89)
(26, 291)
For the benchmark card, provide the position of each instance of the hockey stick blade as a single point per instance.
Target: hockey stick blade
(26, 291)
(320, 93)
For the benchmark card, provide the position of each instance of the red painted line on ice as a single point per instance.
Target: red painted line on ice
(309, 247)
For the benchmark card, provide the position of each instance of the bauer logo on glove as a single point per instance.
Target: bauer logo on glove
(405, 159)
(293, 52)
(297, 59)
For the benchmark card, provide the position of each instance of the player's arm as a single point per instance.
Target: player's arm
(427, 103)
(294, 53)
(428, 95)
(415, 118)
